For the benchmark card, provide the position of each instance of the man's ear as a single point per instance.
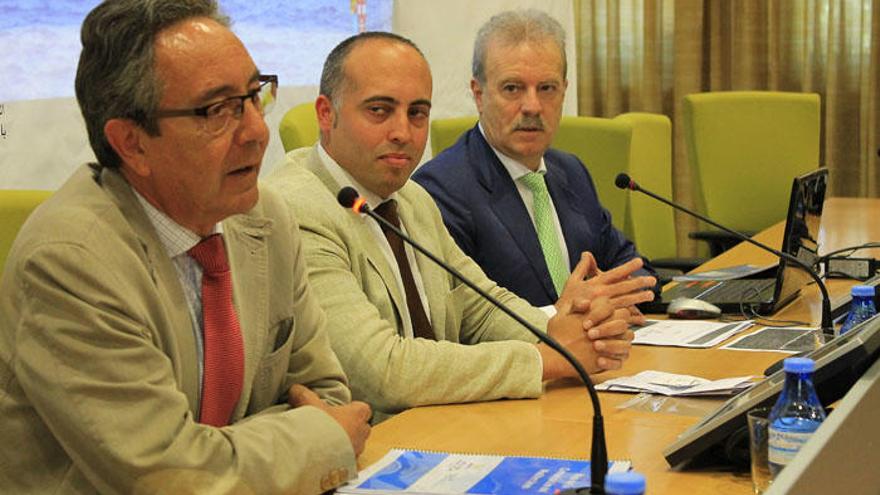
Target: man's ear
(477, 90)
(326, 114)
(126, 139)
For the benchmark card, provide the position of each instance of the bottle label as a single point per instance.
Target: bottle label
(783, 445)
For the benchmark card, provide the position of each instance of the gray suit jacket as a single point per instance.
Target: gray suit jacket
(98, 372)
(357, 289)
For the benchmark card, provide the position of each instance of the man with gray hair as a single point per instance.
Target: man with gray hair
(406, 332)
(157, 330)
(524, 212)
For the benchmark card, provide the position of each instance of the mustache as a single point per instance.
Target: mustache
(530, 122)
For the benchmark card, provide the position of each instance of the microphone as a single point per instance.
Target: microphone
(623, 181)
(348, 197)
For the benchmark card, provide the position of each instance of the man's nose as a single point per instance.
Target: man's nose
(531, 103)
(400, 131)
(252, 126)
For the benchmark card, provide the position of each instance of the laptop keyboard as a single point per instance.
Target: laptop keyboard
(728, 291)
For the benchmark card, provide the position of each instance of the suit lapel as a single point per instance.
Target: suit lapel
(360, 226)
(246, 245)
(416, 219)
(168, 288)
(508, 207)
(571, 215)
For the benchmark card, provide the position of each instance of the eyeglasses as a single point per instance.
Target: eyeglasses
(218, 115)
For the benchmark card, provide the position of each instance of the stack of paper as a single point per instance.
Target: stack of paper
(659, 382)
(687, 333)
(440, 473)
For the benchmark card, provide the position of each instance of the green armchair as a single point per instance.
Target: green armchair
(636, 143)
(299, 127)
(744, 148)
(15, 207)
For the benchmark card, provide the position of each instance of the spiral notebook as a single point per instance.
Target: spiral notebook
(440, 473)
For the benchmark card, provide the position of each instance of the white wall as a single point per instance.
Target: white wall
(445, 31)
(43, 142)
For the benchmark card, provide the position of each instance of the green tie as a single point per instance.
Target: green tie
(546, 230)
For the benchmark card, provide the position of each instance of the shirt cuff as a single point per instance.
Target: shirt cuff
(550, 310)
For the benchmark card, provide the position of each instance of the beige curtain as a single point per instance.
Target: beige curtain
(645, 55)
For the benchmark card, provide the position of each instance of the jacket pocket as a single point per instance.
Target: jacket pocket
(273, 367)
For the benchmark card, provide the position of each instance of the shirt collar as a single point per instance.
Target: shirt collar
(175, 238)
(343, 178)
(515, 168)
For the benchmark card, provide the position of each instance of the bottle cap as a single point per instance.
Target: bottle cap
(628, 483)
(863, 290)
(799, 365)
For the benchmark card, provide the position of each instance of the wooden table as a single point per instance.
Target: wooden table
(559, 423)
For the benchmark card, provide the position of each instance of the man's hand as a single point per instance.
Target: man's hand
(588, 282)
(600, 339)
(612, 342)
(354, 418)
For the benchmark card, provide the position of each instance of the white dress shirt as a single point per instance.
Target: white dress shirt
(516, 171)
(177, 241)
(343, 178)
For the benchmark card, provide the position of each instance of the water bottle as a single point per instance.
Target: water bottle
(796, 415)
(628, 483)
(861, 309)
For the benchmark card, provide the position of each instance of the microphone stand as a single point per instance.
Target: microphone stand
(623, 181)
(349, 198)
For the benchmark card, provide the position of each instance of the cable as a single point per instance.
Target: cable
(748, 312)
(851, 249)
(841, 275)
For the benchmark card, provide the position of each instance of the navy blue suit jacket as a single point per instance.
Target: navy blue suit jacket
(486, 216)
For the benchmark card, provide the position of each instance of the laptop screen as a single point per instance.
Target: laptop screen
(801, 237)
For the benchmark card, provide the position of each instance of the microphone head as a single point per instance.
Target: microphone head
(624, 182)
(347, 196)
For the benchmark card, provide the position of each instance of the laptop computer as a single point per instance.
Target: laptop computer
(767, 295)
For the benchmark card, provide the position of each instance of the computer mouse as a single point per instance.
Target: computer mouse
(692, 309)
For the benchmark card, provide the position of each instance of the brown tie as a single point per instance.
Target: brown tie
(420, 324)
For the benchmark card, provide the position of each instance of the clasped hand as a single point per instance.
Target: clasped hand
(593, 317)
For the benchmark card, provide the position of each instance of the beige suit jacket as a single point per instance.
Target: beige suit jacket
(480, 353)
(98, 365)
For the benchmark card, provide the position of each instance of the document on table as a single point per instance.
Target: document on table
(687, 333)
(660, 382)
(440, 473)
(778, 339)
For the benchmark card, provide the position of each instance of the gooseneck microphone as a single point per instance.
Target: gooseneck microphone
(349, 198)
(623, 181)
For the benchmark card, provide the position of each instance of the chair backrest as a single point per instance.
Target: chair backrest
(745, 147)
(445, 132)
(15, 207)
(649, 224)
(636, 143)
(604, 146)
(299, 127)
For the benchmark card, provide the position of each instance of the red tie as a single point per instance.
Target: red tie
(224, 350)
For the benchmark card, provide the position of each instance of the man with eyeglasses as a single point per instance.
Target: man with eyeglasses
(157, 331)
